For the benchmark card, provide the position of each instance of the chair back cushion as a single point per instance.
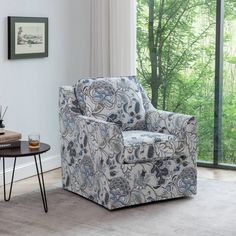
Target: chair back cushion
(116, 99)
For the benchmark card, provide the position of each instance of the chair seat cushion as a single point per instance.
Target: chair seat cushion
(145, 146)
(116, 99)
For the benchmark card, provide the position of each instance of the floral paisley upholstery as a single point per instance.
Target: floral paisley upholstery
(117, 100)
(117, 168)
(142, 146)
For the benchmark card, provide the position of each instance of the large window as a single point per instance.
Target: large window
(229, 86)
(176, 54)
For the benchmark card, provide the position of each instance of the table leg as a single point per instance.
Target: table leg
(41, 182)
(4, 180)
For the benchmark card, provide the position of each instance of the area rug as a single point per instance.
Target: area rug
(211, 212)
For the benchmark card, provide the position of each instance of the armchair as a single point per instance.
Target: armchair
(118, 151)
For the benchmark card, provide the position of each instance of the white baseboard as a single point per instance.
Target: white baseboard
(28, 169)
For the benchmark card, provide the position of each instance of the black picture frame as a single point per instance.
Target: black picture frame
(27, 37)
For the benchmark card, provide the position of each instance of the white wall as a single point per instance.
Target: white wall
(30, 86)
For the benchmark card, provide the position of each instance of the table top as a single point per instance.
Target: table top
(24, 150)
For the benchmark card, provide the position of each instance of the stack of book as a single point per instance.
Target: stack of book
(10, 139)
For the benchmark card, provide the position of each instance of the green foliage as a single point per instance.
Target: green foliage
(175, 53)
(231, 60)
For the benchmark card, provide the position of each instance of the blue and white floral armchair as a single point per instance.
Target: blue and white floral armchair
(118, 151)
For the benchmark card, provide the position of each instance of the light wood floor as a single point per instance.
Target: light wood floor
(77, 216)
(53, 178)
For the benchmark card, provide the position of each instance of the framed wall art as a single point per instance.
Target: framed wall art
(27, 37)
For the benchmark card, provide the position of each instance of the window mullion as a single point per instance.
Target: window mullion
(218, 81)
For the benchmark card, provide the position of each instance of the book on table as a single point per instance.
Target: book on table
(10, 139)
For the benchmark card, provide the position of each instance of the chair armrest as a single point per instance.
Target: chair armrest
(105, 144)
(104, 139)
(184, 127)
(67, 110)
(86, 137)
(66, 96)
(170, 122)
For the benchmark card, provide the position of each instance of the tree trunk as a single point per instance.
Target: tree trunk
(155, 43)
(159, 42)
(152, 53)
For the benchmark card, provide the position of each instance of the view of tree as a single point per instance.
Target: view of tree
(175, 64)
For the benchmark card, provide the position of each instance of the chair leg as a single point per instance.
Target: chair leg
(4, 180)
(41, 182)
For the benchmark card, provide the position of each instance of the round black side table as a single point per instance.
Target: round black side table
(20, 152)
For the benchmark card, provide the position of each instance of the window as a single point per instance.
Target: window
(229, 86)
(177, 52)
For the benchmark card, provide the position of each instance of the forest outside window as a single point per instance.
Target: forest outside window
(176, 61)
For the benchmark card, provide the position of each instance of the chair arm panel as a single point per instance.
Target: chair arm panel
(184, 127)
(170, 122)
(105, 140)
(86, 138)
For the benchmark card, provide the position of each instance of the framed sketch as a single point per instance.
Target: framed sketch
(27, 37)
